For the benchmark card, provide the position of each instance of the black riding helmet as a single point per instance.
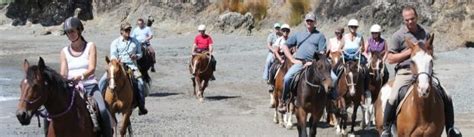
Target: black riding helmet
(73, 23)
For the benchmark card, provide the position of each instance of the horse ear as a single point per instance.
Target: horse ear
(41, 64)
(409, 43)
(429, 44)
(26, 65)
(107, 60)
(316, 56)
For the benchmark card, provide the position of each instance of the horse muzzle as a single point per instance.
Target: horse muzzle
(24, 117)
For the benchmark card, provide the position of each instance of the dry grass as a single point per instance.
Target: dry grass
(258, 8)
(298, 9)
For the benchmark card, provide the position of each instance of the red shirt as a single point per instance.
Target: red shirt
(203, 41)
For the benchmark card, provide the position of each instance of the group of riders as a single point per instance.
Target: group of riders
(352, 47)
(78, 63)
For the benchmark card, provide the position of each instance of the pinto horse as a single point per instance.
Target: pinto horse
(378, 76)
(279, 118)
(350, 90)
(422, 112)
(119, 93)
(67, 110)
(312, 93)
(201, 69)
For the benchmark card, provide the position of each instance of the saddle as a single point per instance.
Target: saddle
(407, 89)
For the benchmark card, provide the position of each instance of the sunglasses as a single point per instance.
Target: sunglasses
(277, 28)
(127, 30)
(309, 21)
(373, 33)
(354, 27)
(285, 30)
(338, 33)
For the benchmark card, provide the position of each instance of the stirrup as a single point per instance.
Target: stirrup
(93, 115)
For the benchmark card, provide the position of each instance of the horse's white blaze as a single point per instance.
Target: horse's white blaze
(351, 84)
(112, 78)
(422, 61)
(194, 66)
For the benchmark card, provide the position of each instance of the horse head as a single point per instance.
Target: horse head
(201, 62)
(322, 69)
(422, 64)
(335, 57)
(32, 91)
(352, 74)
(376, 65)
(115, 72)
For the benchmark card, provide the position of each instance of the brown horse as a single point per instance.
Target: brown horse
(335, 57)
(119, 93)
(202, 71)
(312, 93)
(378, 76)
(67, 110)
(350, 90)
(422, 112)
(279, 118)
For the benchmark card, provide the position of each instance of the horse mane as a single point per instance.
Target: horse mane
(49, 75)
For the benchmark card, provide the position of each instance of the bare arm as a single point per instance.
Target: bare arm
(211, 49)
(277, 55)
(289, 56)
(63, 61)
(393, 58)
(92, 61)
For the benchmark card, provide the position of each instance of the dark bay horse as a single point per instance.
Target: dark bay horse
(378, 76)
(67, 110)
(350, 90)
(119, 94)
(144, 65)
(312, 93)
(279, 118)
(422, 112)
(201, 69)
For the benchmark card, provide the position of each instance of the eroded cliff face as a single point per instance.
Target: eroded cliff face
(453, 20)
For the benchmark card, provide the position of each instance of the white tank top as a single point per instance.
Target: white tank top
(77, 65)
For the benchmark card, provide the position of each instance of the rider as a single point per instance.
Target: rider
(272, 37)
(376, 43)
(128, 51)
(399, 54)
(335, 44)
(78, 62)
(277, 52)
(203, 42)
(144, 34)
(307, 43)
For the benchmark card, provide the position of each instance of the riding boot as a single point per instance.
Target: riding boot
(141, 97)
(451, 131)
(388, 119)
(89, 105)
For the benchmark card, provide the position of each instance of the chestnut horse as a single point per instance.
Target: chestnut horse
(335, 57)
(278, 117)
(119, 93)
(350, 90)
(67, 110)
(378, 76)
(201, 69)
(422, 112)
(312, 93)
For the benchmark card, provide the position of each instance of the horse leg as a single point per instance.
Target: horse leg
(354, 116)
(316, 116)
(204, 86)
(198, 87)
(289, 114)
(301, 117)
(125, 122)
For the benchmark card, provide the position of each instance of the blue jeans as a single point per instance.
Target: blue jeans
(295, 68)
(268, 64)
(106, 125)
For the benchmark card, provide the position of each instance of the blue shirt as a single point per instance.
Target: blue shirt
(122, 49)
(141, 34)
(315, 42)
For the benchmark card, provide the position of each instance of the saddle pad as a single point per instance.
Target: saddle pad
(402, 96)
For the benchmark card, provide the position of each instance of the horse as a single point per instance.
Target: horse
(279, 118)
(422, 112)
(201, 69)
(67, 110)
(312, 93)
(378, 76)
(119, 93)
(144, 65)
(350, 89)
(335, 57)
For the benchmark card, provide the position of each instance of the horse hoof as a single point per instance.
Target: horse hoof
(201, 100)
